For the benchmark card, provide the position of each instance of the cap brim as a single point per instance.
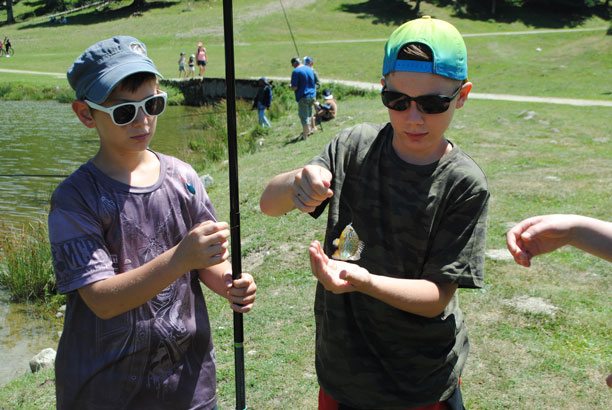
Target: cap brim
(99, 90)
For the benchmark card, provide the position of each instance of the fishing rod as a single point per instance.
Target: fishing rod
(289, 25)
(232, 146)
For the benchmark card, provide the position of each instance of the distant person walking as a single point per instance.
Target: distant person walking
(303, 85)
(262, 101)
(181, 64)
(191, 64)
(201, 58)
(7, 46)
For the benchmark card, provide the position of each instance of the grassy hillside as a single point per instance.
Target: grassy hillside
(345, 37)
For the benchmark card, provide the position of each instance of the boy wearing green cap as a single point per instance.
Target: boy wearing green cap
(389, 331)
(134, 235)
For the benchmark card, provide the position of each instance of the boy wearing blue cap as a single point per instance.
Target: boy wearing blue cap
(133, 233)
(407, 212)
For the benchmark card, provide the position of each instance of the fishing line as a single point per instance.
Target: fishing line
(289, 25)
(33, 175)
(205, 113)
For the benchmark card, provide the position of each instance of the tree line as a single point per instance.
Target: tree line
(494, 8)
(54, 6)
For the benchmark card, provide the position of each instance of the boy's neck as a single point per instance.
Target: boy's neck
(436, 155)
(139, 169)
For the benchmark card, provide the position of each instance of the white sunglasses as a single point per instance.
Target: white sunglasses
(125, 113)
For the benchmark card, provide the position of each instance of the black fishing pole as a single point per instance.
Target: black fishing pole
(289, 25)
(232, 147)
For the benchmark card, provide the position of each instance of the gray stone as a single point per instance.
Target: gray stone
(499, 254)
(46, 358)
(529, 304)
(207, 180)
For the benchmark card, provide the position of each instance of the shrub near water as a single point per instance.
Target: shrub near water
(26, 267)
(208, 144)
(21, 90)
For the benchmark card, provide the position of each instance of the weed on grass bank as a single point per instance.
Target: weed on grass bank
(26, 267)
(21, 90)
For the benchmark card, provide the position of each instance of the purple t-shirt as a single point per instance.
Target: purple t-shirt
(159, 355)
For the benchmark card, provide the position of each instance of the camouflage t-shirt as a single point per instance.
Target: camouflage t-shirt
(417, 222)
(159, 355)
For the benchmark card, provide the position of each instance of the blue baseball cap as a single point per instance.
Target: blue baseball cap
(444, 40)
(307, 60)
(96, 72)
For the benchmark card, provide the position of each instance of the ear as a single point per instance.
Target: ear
(463, 94)
(83, 112)
(383, 82)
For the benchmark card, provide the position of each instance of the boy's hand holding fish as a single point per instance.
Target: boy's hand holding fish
(337, 276)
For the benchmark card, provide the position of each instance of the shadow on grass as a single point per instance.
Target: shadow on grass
(396, 12)
(104, 14)
(389, 12)
(537, 17)
(294, 140)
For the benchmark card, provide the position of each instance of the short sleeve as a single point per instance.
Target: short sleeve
(80, 256)
(457, 252)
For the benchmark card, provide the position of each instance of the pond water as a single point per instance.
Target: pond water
(45, 142)
(40, 142)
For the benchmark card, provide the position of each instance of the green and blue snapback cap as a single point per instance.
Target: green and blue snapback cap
(445, 41)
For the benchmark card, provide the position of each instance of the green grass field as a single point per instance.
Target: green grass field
(556, 159)
(344, 38)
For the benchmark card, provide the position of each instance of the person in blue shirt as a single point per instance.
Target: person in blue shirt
(303, 85)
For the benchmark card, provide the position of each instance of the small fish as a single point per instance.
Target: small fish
(188, 185)
(349, 246)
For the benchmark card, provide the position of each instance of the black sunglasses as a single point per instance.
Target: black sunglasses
(125, 113)
(427, 104)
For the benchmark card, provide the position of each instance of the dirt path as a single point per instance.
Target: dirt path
(7, 70)
(481, 96)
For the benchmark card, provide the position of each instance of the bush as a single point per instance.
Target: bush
(26, 267)
(175, 96)
(210, 143)
(28, 91)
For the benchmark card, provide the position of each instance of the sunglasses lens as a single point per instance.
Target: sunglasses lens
(432, 104)
(124, 114)
(428, 104)
(155, 105)
(395, 101)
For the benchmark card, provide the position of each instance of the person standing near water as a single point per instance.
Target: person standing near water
(201, 58)
(133, 235)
